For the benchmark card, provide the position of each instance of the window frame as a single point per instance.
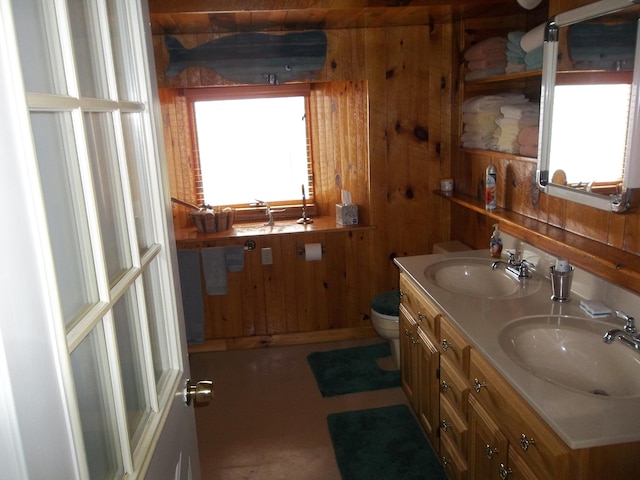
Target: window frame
(245, 212)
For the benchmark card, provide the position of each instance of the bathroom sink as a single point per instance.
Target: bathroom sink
(474, 277)
(569, 352)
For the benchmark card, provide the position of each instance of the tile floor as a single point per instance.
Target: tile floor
(268, 418)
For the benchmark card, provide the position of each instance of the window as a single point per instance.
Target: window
(582, 162)
(252, 144)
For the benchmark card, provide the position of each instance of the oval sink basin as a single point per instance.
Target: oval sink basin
(569, 352)
(474, 277)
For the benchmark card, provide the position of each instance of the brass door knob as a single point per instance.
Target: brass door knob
(200, 393)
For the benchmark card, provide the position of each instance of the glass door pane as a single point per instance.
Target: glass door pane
(109, 194)
(121, 42)
(39, 45)
(66, 213)
(88, 48)
(96, 406)
(138, 178)
(126, 319)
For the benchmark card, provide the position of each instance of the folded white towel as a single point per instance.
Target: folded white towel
(520, 110)
(492, 103)
(534, 38)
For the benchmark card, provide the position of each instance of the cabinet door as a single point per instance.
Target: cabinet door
(487, 445)
(518, 468)
(419, 305)
(408, 355)
(427, 389)
(453, 345)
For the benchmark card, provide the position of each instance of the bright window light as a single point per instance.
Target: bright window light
(252, 149)
(574, 109)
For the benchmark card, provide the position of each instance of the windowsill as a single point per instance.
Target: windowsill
(190, 238)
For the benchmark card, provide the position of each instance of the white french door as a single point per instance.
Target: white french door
(92, 351)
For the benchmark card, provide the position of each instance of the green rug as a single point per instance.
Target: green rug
(351, 370)
(382, 444)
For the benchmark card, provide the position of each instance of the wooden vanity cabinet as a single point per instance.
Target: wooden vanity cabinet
(537, 446)
(419, 357)
(408, 355)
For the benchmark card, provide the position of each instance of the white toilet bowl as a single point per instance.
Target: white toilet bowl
(385, 323)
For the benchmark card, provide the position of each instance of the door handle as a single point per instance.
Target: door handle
(200, 393)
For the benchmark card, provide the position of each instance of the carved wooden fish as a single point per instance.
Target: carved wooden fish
(254, 58)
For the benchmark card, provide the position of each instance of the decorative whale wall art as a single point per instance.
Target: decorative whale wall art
(254, 58)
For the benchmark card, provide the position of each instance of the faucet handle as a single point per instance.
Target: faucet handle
(630, 326)
(512, 258)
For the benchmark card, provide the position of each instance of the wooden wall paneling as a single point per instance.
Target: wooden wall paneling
(275, 280)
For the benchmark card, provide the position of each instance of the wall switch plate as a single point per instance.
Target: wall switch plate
(267, 256)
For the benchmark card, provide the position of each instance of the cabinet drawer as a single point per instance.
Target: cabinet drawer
(542, 450)
(417, 303)
(452, 425)
(453, 385)
(453, 461)
(453, 345)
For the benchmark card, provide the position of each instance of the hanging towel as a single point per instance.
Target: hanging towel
(234, 258)
(215, 271)
(192, 302)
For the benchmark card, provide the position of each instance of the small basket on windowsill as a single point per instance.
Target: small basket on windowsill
(210, 220)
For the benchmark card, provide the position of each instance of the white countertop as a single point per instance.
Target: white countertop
(582, 420)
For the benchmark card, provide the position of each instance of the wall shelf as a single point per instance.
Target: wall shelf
(613, 264)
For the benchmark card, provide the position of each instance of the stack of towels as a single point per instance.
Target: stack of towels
(531, 43)
(515, 53)
(528, 141)
(487, 58)
(600, 46)
(494, 122)
(479, 115)
(512, 120)
(496, 56)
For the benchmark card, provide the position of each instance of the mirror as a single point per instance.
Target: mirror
(589, 137)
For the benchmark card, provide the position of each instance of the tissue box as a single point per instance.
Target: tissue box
(346, 214)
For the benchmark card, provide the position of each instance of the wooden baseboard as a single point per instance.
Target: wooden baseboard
(279, 340)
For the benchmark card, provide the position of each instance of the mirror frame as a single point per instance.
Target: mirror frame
(617, 203)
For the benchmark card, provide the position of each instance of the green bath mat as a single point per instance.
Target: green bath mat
(382, 444)
(351, 370)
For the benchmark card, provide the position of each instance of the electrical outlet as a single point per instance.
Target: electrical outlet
(267, 256)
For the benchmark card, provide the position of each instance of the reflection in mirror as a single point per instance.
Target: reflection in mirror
(589, 105)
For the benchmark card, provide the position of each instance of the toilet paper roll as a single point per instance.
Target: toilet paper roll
(312, 252)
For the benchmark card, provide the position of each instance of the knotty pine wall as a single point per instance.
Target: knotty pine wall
(407, 73)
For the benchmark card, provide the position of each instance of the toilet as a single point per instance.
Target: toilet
(385, 311)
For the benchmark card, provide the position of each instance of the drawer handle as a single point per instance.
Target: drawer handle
(406, 332)
(477, 385)
(414, 341)
(490, 451)
(444, 386)
(420, 316)
(504, 472)
(445, 462)
(525, 442)
(402, 294)
(446, 345)
(444, 425)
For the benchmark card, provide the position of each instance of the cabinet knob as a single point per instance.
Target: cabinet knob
(525, 442)
(414, 341)
(420, 316)
(477, 385)
(406, 332)
(446, 345)
(402, 294)
(490, 451)
(444, 386)
(444, 425)
(504, 471)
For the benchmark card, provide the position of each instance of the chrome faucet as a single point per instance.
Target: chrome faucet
(628, 336)
(268, 211)
(518, 268)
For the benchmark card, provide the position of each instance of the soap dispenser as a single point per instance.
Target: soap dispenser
(495, 242)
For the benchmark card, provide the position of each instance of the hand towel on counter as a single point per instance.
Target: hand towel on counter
(191, 289)
(214, 267)
(234, 258)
